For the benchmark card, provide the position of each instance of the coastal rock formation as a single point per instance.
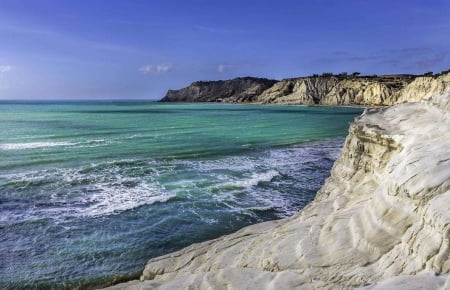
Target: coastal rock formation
(381, 220)
(235, 91)
(306, 91)
(336, 90)
(375, 91)
(424, 88)
(332, 90)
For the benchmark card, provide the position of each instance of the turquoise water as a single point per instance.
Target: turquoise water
(90, 191)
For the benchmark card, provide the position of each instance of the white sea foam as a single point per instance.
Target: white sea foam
(33, 145)
(48, 144)
(206, 220)
(93, 143)
(135, 136)
(238, 177)
(233, 163)
(257, 178)
(115, 186)
(96, 190)
(107, 200)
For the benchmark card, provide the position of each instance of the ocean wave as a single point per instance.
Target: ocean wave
(107, 200)
(88, 191)
(241, 183)
(256, 178)
(33, 145)
(280, 179)
(46, 144)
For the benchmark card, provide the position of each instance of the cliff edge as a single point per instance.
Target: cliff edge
(381, 220)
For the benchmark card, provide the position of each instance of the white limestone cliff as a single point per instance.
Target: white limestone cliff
(338, 90)
(359, 92)
(381, 221)
(423, 88)
(306, 91)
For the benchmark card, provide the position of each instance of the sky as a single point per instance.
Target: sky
(138, 49)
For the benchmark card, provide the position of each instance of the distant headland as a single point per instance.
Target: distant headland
(342, 89)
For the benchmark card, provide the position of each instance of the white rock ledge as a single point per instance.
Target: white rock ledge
(381, 221)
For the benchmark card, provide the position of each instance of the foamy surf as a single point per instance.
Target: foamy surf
(36, 145)
(115, 186)
(256, 178)
(114, 201)
(92, 191)
(33, 145)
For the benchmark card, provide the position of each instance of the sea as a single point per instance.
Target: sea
(91, 190)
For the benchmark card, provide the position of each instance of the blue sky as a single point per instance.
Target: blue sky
(137, 49)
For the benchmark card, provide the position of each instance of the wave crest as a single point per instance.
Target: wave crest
(33, 145)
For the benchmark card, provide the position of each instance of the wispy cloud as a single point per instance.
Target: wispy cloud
(220, 30)
(156, 69)
(61, 37)
(5, 68)
(226, 67)
(25, 30)
(383, 56)
(408, 50)
(432, 61)
(343, 56)
(408, 58)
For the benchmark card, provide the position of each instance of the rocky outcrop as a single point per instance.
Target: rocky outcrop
(308, 91)
(332, 90)
(423, 88)
(376, 91)
(337, 90)
(234, 91)
(381, 221)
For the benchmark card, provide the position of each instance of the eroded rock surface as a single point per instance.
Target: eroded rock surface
(336, 90)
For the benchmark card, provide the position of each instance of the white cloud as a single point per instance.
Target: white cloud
(226, 67)
(156, 68)
(5, 68)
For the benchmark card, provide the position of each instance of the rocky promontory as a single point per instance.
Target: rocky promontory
(381, 220)
(234, 91)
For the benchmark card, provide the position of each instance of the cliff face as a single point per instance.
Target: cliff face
(334, 90)
(423, 88)
(379, 91)
(383, 213)
(235, 90)
(306, 91)
(315, 90)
